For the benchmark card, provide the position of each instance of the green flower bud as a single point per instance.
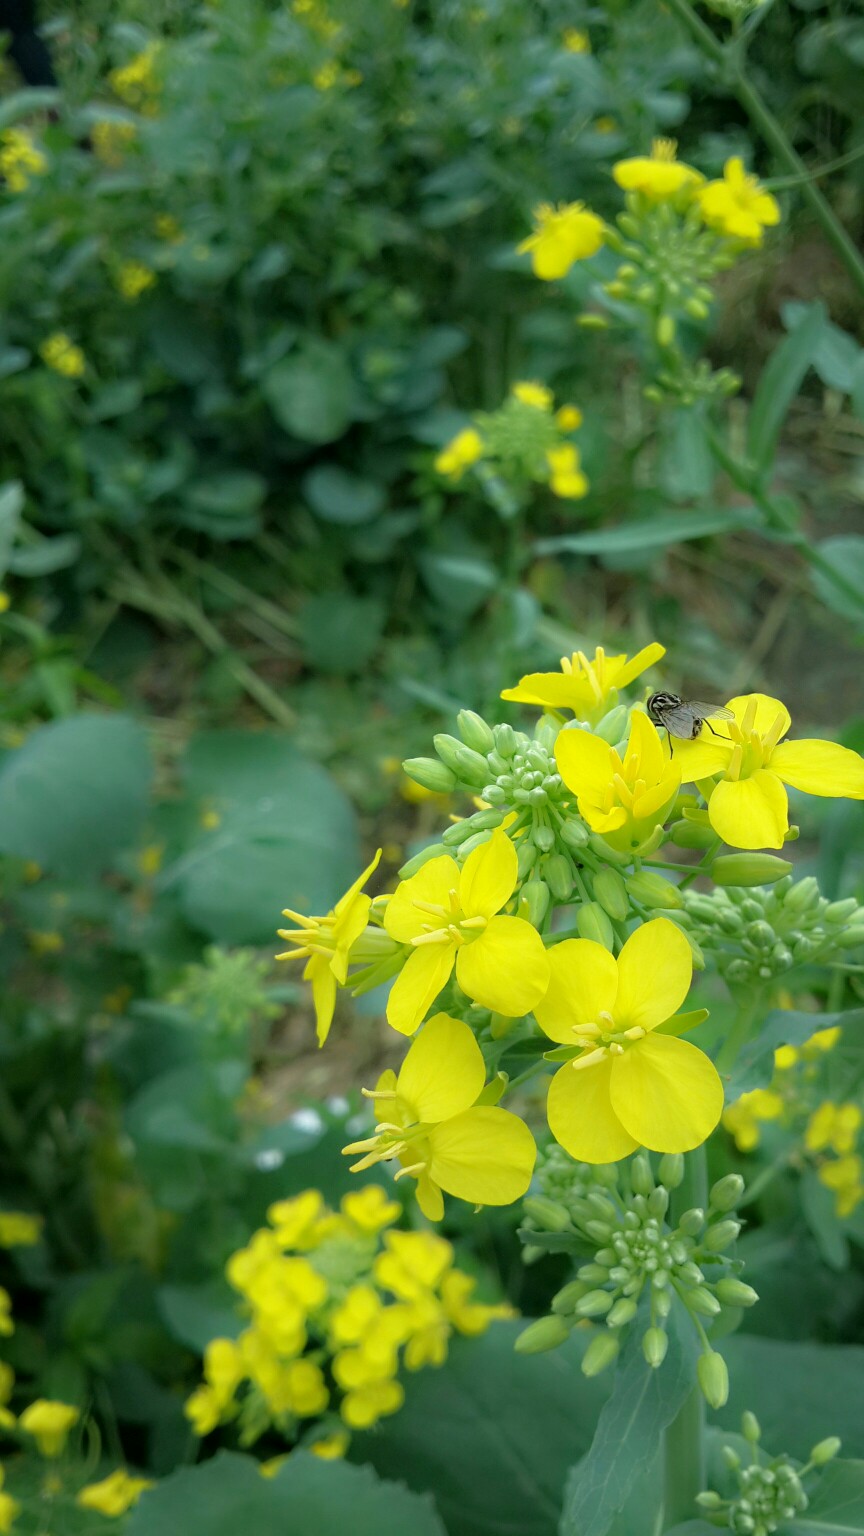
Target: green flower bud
(613, 725)
(802, 896)
(458, 833)
(641, 1177)
(692, 1222)
(691, 834)
(611, 892)
(574, 832)
(593, 923)
(475, 841)
(558, 874)
(701, 1301)
(727, 1192)
(840, 911)
(658, 1203)
(709, 1499)
(696, 309)
(432, 851)
(474, 731)
(542, 837)
(595, 1304)
(593, 1274)
(655, 1342)
(600, 1354)
(622, 1312)
(713, 1378)
(544, 1333)
(653, 891)
(548, 1215)
(526, 857)
(665, 331)
(565, 1301)
(506, 739)
(501, 1025)
(750, 1427)
(468, 766)
(600, 1231)
(825, 1451)
(851, 938)
(735, 1293)
(671, 1170)
(721, 1235)
(534, 901)
(749, 869)
(431, 774)
(608, 854)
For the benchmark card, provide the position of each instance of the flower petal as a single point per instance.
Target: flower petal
(353, 890)
(318, 972)
(639, 663)
(766, 712)
(667, 1093)
(432, 884)
(443, 1072)
(488, 877)
(701, 758)
(645, 757)
(417, 986)
(350, 924)
(506, 968)
(750, 813)
(553, 690)
(429, 1198)
(586, 763)
(583, 979)
(819, 768)
(655, 969)
(581, 1117)
(486, 1156)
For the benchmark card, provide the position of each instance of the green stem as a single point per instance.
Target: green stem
(739, 1034)
(685, 1438)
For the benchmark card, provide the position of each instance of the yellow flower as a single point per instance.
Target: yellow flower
(7, 1385)
(442, 1137)
(45, 943)
(623, 800)
(369, 1208)
(359, 1309)
(536, 395)
(327, 76)
(364, 1406)
(150, 860)
(300, 1222)
(136, 83)
(132, 279)
(737, 205)
(568, 418)
(563, 235)
(742, 1118)
(413, 1263)
(470, 1317)
(273, 1465)
(60, 352)
(824, 1040)
(223, 1369)
(327, 942)
(450, 917)
(203, 1410)
(49, 1423)
(10, 1509)
(631, 1084)
(589, 688)
(658, 175)
(115, 1494)
(19, 159)
(6, 1324)
(846, 1178)
(18, 1229)
(566, 478)
(332, 1447)
(749, 808)
(459, 454)
(430, 1334)
(834, 1126)
(575, 41)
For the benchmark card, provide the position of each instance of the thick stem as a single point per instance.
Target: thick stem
(684, 1454)
(742, 1025)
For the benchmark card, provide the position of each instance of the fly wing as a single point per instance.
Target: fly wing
(679, 721)
(704, 711)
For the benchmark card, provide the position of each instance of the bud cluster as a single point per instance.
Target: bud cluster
(641, 1263)
(757, 934)
(770, 1493)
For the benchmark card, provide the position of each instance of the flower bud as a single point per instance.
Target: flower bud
(611, 892)
(474, 731)
(852, 938)
(721, 1235)
(411, 866)
(665, 331)
(593, 923)
(468, 766)
(652, 891)
(658, 1203)
(622, 1312)
(526, 857)
(431, 774)
(534, 901)
(613, 725)
(592, 1274)
(548, 1215)
(726, 1193)
(735, 1293)
(641, 1177)
(574, 832)
(825, 1451)
(671, 1170)
(691, 834)
(600, 1354)
(692, 1221)
(542, 837)
(709, 1499)
(505, 739)
(458, 833)
(750, 1427)
(558, 874)
(655, 1342)
(544, 1333)
(608, 854)
(749, 869)
(802, 896)
(595, 1304)
(702, 1301)
(713, 1378)
(841, 911)
(565, 1301)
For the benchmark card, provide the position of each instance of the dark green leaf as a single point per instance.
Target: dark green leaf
(311, 393)
(836, 354)
(845, 555)
(799, 1392)
(340, 632)
(45, 556)
(656, 533)
(837, 1504)
(754, 1065)
(11, 506)
(779, 383)
(340, 497)
(819, 1208)
(195, 1314)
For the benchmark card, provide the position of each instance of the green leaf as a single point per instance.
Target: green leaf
(799, 1392)
(845, 555)
(45, 556)
(340, 632)
(779, 383)
(195, 1314)
(837, 1505)
(754, 1065)
(225, 504)
(654, 534)
(311, 393)
(492, 1433)
(458, 582)
(308, 1497)
(819, 1209)
(11, 506)
(75, 793)
(340, 497)
(836, 354)
(686, 467)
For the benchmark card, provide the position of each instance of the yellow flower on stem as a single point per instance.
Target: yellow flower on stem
(451, 917)
(327, 942)
(658, 175)
(566, 478)
(115, 1494)
(589, 688)
(459, 454)
(568, 418)
(631, 1084)
(441, 1136)
(49, 1423)
(743, 1118)
(413, 1263)
(835, 1126)
(624, 800)
(533, 394)
(369, 1208)
(749, 808)
(737, 205)
(564, 235)
(331, 1447)
(846, 1178)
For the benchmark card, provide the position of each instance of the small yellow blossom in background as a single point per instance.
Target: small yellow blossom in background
(45, 943)
(10, 1509)
(49, 1423)
(568, 418)
(630, 1083)
(6, 1324)
(369, 1208)
(326, 943)
(833, 1126)
(738, 205)
(115, 1494)
(742, 1119)
(431, 1121)
(327, 76)
(605, 125)
(451, 917)
(588, 688)
(459, 454)
(132, 278)
(150, 860)
(5, 603)
(845, 1178)
(625, 800)
(111, 137)
(658, 175)
(563, 235)
(32, 871)
(749, 807)
(7, 1387)
(20, 160)
(62, 354)
(531, 393)
(167, 228)
(137, 83)
(273, 1466)
(332, 1447)
(565, 474)
(575, 41)
(19, 1229)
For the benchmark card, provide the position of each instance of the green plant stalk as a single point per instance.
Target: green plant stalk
(742, 1024)
(684, 1451)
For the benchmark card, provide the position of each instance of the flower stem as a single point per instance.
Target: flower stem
(685, 1438)
(739, 1033)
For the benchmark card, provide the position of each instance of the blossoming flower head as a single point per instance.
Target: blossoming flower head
(62, 354)
(749, 807)
(742, 1119)
(114, 1495)
(588, 687)
(459, 454)
(834, 1126)
(451, 918)
(10, 1509)
(431, 1121)
(20, 159)
(536, 395)
(566, 478)
(737, 205)
(49, 1423)
(845, 1177)
(326, 944)
(132, 279)
(576, 41)
(629, 1084)
(563, 235)
(657, 176)
(622, 799)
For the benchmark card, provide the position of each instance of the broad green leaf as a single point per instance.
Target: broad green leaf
(11, 506)
(195, 1314)
(754, 1065)
(308, 1497)
(45, 556)
(799, 1392)
(836, 354)
(225, 504)
(340, 631)
(75, 793)
(779, 383)
(819, 1209)
(655, 533)
(311, 393)
(837, 1503)
(460, 582)
(340, 497)
(845, 555)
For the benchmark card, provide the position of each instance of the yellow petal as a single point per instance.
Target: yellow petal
(819, 768)
(432, 884)
(354, 890)
(586, 764)
(318, 972)
(417, 986)
(581, 1117)
(443, 1072)
(750, 813)
(667, 1093)
(583, 979)
(485, 1156)
(488, 877)
(639, 663)
(429, 1198)
(766, 712)
(553, 690)
(702, 758)
(506, 968)
(645, 755)
(352, 921)
(655, 969)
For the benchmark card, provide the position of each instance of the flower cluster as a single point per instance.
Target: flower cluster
(755, 934)
(64, 355)
(769, 1492)
(526, 441)
(132, 278)
(137, 83)
(334, 1303)
(642, 1262)
(20, 159)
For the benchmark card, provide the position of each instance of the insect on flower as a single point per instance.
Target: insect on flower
(684, 718)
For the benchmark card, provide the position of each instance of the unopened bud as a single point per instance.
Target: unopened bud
(592, 923)
(721, 1235)
(653, 891)
(841, 911)
(803, 895)
(608, 854)
(548, 1215)
(655, 1342)
(622, 1312)
(641, 1177)
(558, 874)
(534, 901)
(691, 834)
(526, 857)
(825, 1451)
(505, 739)
(595, 1304)
(749, 869)
(545, 1333)
(611, 892)
(750, 1427)
(709, 1499)
(671, 1170)
(665, 331)
(658, 1203)
(474, 731)
(600, 1354)
(713, 1378)
(613, 725)
(431, 774)
(565, 1301)
(727, 1192)
(692, 1221)
(574, 833)
(735, 1293)
(468, 766)
(432, 851)
(702, 1301)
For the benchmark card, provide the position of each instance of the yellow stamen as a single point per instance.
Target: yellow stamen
(589, 1060)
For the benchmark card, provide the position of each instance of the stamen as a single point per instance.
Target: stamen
(378, 1093)
(625, 793)
(292, 954)
(736, 762)
(772, 736)
(606, 1018)
(454, 900)
(616, 1049)
(297, 917)
(474, 922)
(403, 1172)
(591, 1030)
(440, 936)
(588, 1061)
(429, 906)
(749, 718)
(636, 1033)
(566, 664)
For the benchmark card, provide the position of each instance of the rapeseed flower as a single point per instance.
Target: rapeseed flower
(451, 918)
(19, 1229)
(62, 354)
(749, 807)
(657, 176)
(20, 160)
(326, 944)
(833, 1126)
(738, 205)
(132, 279)
(568, 418)
(631, 1084)
(566, 478)
(563, 235)
(531, 393)
(622, 799)
(115, 1494)
(10, 1509)
(137, 82)
(743, 1118)
(459, 454)
(575, 40)
(845, 1177)
(588, 687)
(442, 1137)
(49, 1423)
